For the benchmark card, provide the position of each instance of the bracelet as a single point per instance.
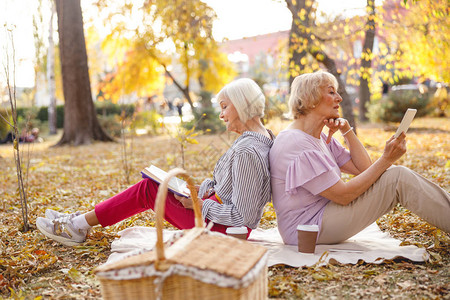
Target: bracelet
(351, 128)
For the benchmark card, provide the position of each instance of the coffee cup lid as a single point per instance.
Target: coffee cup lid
(237, 230)
(308, 227)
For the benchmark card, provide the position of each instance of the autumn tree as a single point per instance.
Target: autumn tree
(51, 75)
(39, 54)
(81, 125)
(334, 43)
(297, 54)
(171, 33)
(366, 61)
(412, 43)
(420, 32)
(303, 41)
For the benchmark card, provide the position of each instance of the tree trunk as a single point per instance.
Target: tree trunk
(300, 31)
(346, 104)
(51, 76)
(295, 54)
(205, 96)
(366, 62)
(81, 125)
(185, 90)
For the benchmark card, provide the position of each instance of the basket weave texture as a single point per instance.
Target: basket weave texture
(181, 288)
(212, 257)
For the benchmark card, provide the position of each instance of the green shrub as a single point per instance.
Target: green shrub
(148, 119)
(42, 115)
(28, 124)
(60, 116)
(39, 115)
(440, 102)
(106, 108)
(4, 127)
(27, 118)
(392, 107)
(111, 124)
(207, 120)
(22, 111)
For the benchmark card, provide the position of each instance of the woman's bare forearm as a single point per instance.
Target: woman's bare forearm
(358, 153)
(345, 192)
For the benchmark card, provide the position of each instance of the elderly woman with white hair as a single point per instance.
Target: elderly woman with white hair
(235, 197)
(306, 165)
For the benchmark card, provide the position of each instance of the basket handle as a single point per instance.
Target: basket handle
(160, 207)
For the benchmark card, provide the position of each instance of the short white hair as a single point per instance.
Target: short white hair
(246, 96)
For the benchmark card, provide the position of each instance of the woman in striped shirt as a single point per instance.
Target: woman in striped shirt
(235, 196)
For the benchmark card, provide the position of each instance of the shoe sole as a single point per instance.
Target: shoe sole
(59, 239)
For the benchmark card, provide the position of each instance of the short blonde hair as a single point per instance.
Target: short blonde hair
(306, 91)
(246, 96)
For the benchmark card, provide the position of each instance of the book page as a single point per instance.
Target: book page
(175, 183)
(157, 172)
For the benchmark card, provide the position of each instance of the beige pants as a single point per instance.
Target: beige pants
(397, 185)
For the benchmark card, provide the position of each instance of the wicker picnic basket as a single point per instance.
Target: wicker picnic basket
(198, 265)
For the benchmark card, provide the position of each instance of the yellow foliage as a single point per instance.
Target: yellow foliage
(303, 61)
(179, 33)
(320, 57)
(346, 29)
(214, 68)
(136, 72)
(424, 37)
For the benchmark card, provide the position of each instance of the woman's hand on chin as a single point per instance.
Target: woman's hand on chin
(335, 125)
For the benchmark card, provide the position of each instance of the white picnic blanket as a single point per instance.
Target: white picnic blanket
(370, 245)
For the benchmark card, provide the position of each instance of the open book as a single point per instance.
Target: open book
(176, 185)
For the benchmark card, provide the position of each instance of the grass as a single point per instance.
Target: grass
(76, 178)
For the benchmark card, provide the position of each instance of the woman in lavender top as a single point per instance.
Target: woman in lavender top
(306, 166)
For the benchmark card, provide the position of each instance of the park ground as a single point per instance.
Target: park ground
(76, 178)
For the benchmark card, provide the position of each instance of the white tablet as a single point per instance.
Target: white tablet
(406, 121)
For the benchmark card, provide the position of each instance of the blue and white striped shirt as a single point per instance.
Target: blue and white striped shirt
(241, 179)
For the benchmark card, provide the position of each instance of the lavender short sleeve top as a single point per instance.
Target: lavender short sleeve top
(301, 167)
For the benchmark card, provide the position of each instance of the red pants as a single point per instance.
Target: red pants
(141, 197)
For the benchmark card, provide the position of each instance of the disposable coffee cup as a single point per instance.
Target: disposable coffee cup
(307, 236)
(238, 232)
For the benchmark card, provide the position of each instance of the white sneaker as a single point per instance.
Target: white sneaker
(62, 230)
(53, 214)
